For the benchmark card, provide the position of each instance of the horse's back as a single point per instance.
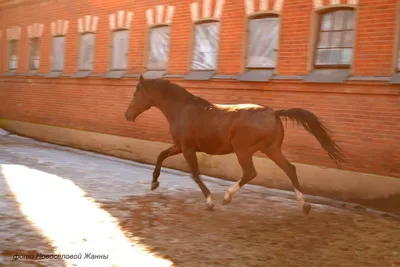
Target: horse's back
(239, 107)
(215, 128)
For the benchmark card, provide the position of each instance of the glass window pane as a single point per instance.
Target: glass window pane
(339, 19)
(350, 20)
(346, 56)
(348, 38)
(324, 39)
(322, 56)
(336, 38)
(334, 56)
(326, 22)
(159, 48)
(263, 43)
(206, 45)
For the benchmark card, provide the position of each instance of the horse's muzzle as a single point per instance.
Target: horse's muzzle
(129, 118)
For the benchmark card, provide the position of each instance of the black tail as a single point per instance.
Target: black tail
(314, 126)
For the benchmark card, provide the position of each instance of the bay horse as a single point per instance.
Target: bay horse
(196, 125)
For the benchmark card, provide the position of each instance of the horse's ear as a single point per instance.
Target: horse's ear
(141, 79)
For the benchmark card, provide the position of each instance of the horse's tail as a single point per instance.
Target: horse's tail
(314, 126)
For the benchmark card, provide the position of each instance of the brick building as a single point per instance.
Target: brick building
(73, 65)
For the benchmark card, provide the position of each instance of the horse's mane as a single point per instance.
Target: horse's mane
(175, 91)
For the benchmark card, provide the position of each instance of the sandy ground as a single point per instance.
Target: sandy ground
(57, 200)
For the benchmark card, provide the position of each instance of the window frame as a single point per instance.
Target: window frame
(193, 44)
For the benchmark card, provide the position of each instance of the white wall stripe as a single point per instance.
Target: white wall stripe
(194, 10)
(218, 9)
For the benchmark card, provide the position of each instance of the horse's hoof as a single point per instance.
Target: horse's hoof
(306, 208)
(154, 185)
(227, 199)
(210, 203)
(210, 207)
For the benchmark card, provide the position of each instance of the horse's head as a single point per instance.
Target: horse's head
(140, 102)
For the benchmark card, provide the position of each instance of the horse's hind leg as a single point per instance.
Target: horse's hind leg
(275, 154)
(171, 151)
(249, 172)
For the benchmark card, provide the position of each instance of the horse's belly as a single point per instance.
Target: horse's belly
(214, 146)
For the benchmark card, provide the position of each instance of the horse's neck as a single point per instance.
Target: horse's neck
(170, 107)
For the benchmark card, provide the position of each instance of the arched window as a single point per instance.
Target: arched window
(395, 79)
(205, 46)
(87, 27)
(332, 42)
(261, 39)
(262, 42)
(159, 34)
(205, 39)
(34, 32)
(34, 53)
(59, 30)
(120, 24)
(13, 37)
(159, 42)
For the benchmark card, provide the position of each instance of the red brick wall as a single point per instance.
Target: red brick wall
(364, 115)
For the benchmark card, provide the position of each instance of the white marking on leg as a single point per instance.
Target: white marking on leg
(300, 197)
(227, 197)
(231, 191)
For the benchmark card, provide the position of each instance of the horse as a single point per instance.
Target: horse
(197, 125)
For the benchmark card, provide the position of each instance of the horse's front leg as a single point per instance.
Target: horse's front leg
(171, 151)
(191, 158)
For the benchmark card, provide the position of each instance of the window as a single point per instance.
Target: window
(395, 79)
(336, 39)
(58, 51)
(86, 51)
(398, 59)
(262, 42)
(120, 46)
(34, 53)
(206, 45)
(398, 54)
(12, 55)
(158, 48)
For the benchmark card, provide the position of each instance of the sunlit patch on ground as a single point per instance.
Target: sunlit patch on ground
(73, 223)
